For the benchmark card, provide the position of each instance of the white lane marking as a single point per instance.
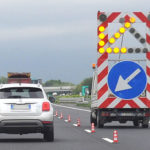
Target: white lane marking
(75, 125)
(72, 108)
(108, 140)
(66, 120)
(87, 130)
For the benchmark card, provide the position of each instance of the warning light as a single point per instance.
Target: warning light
(116, 50)
(127, 25)
(101, 29)
(101, 43)
(142, 40)
(102, 17)
(130, 50)
(109, 50)
(101, 50)
(101, 36)
(121, 20)
(145, 50)
(122, 30)
(93, 66)
(137, 50)
(112, 40)
(132, 19)
(132, 30)
(123, 50)
(137, 35)
(117, 35)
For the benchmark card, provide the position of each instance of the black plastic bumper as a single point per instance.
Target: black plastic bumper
(24, 126)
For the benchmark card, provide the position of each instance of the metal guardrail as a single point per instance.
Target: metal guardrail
(61, 88)
(72, 100)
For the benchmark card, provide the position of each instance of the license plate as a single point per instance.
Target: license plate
(20, 107)
(127, 114)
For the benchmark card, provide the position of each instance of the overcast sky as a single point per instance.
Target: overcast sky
(54, 39)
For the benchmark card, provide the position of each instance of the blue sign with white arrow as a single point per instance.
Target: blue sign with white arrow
(127, 80)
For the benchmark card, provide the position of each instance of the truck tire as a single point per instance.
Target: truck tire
(93, 120)
(49, 134)
(100, 121)
(136, 123)
(145, 123)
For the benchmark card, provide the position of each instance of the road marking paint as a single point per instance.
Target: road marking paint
(87, 130)
(75, 125)
(66, 120)
(72, 108)
(108, 140)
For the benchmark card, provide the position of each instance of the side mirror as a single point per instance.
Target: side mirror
(51, 99)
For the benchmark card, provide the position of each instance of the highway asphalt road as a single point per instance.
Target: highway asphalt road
(69, 137)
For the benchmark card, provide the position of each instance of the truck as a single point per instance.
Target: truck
(15, 77)
(121, 77)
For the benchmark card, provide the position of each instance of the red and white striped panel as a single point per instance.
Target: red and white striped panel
(102, 65)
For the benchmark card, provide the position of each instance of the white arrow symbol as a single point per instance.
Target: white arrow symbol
(123, 84)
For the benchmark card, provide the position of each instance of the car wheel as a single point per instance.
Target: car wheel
(49, 134)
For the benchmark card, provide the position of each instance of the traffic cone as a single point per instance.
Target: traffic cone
(92, 128)
(78, 122)
(61, 116)
(69, 118)
(56, 113)
(115, 136)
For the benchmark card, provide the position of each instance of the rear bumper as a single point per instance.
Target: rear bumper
(125, 118)
(109, 115)
(24, 126)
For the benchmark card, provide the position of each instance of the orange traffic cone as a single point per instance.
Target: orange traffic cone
(56, 113)
(69, 118)
(61, 116)
(78, 122)
(115, 136)
(92, 128)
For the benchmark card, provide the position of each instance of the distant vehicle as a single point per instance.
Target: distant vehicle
(25, 108)
(51, 99)
(15, 77)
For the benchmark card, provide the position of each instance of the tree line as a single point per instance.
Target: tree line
(85, 82)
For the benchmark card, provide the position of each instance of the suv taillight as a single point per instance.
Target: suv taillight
(45, 106)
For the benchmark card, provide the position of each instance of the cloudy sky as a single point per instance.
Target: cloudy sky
(54, 39)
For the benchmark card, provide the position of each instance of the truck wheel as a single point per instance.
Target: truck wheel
(92, 120)
(49, 134)
(100, 122)
(136, 123)
(145, 123)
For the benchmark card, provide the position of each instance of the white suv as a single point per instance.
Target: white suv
(24, 108)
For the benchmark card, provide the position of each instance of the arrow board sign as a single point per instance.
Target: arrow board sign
(127, 80)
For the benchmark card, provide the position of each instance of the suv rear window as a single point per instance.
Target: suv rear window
(21, 92)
